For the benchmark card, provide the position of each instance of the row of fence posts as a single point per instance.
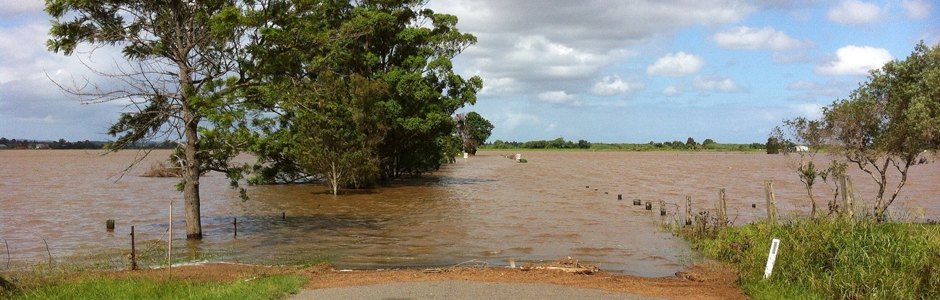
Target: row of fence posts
(845, 207)
(109, 226)
(722, 205)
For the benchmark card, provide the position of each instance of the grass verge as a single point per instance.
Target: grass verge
(830, 258)
(97, 287)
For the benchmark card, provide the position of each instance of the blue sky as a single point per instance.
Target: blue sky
(600, 70)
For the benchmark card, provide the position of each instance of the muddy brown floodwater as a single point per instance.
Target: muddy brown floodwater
(487, 208)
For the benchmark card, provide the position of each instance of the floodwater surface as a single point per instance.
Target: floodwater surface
(483, 209)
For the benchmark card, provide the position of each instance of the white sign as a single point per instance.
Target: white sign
(518, 156)
(465, 155)
(771, 257)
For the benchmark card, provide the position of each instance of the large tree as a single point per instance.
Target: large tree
(181, 74)
(366, 84)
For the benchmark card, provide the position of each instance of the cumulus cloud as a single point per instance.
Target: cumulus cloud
(673, 90)
(514, 120)
(565, 45)
(12, 8)
(854, 60)
(802, 85)
(613, 85)
(855, 12)
(810, 91)
(916, 9)
(811, 111)
(560, 97)
(676, 65)
(717, 83)
(791, 57)
(749, 38)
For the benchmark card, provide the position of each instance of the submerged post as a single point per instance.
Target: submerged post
(771, 202)
(688, 210)
(722, 208)
(637, 202)
(109, 225)
(662, 207)
(649, 205)
(133, 251)
(235, 223)
(619, 196)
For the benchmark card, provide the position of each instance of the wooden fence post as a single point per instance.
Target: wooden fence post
(847, 192)
(722, 208)
(133, 251)
(771, 202)
(688, 210)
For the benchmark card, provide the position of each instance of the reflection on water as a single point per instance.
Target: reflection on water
(487, 208)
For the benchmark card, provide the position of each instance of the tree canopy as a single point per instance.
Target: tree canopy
(473, 130)
(358, 91)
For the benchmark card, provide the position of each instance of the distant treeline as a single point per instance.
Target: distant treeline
(63, 144)
(690, 144)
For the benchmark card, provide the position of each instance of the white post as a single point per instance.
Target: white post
(771, 258)
(518, 156)
(465, 155)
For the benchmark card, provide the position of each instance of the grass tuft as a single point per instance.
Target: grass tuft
(831, 259)
(267, 287)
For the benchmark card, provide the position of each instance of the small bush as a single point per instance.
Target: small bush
(523, 160)
(163, 169)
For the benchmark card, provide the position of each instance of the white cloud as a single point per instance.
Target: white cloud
(791, 57)
(811, 111)
(11, 8)
(855, 12)
(676, 64)
(514, 120)
(749, 38)
(565, 45)
(716, 83)
(560, 97)
(672, 90)
(855, 60)
(810, 91)
(613, 85)
(916, 9)
(801, 85)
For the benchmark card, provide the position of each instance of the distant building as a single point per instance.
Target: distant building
(3, 146)
(42, 146)
(802, 149)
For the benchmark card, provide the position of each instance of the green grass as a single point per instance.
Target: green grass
(831, 259)
(267, 287)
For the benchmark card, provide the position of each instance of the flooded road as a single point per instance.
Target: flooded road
(486, 208)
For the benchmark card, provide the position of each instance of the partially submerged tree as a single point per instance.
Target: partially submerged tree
(473, 131)
(887, 123)
(181, 73)
(320, 54)
(812, 135)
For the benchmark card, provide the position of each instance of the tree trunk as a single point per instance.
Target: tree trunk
(812, 199)
(191, 175)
